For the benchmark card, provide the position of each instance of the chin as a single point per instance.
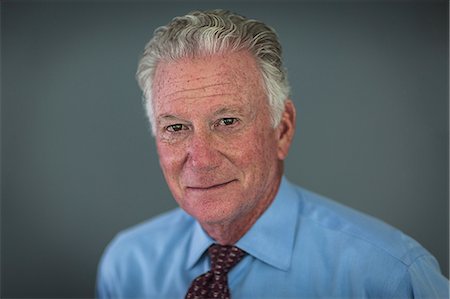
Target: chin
(214, 213)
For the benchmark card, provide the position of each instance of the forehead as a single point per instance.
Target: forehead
(189, 80)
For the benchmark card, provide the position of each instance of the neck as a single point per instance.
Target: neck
(228, 233)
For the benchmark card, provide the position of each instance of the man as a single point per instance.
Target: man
(217, 99)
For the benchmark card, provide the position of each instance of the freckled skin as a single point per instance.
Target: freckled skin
(219, 153)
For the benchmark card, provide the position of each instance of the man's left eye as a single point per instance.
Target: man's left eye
(228, 121)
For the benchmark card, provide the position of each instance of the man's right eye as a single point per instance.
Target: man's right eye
(175, 128)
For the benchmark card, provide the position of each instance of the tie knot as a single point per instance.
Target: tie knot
(224, 257)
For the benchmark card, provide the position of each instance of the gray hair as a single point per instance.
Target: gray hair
(216, 32)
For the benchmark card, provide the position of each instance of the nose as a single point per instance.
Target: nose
(203, 152)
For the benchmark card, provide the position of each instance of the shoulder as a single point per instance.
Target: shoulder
(379, 258)
(344, 224)
(151, 236)
(143, 253)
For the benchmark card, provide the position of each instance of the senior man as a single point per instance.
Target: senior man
(217, 99)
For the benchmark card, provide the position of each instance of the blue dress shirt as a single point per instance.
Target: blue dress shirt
(303, 246)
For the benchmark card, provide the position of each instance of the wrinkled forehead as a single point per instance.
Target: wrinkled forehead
(234, 72)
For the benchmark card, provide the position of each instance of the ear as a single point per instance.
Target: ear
(286, 129)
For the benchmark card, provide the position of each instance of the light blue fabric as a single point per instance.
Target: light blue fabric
(303, 246)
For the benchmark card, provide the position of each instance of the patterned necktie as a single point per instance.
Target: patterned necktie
(214, 283)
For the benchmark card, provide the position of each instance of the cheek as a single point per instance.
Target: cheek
(170, 160)
(255, 151)
(171, 168)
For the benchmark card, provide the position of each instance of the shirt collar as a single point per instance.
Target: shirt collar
(200, 241)
(270, 239)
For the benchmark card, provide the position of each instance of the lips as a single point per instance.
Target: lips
(209, 187)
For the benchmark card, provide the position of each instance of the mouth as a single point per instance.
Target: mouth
(210, 187)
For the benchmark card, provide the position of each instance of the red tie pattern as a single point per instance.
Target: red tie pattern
(214, 283)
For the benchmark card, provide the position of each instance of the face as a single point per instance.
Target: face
(218, 150)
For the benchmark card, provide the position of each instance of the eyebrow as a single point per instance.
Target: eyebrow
(221, 111)
(168, 117)
(227, 110)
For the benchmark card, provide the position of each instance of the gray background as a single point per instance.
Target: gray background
(370, 81)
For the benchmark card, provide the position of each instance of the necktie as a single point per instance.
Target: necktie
(214, 283)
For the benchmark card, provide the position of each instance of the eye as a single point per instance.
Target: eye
(176, 128)
(228, 121)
